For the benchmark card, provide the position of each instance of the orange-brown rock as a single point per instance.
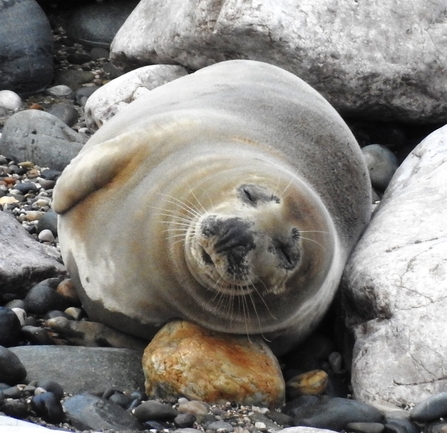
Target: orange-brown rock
(184, 359)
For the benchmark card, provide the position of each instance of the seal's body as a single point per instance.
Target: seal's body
(231, 198)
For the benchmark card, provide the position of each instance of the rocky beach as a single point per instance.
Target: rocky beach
(60, 371)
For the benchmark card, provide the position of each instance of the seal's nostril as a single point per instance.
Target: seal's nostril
(235, 234)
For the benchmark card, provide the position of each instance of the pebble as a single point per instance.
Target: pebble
(154, 410)
(10, 100)
(437, 427)
(194, 407)
(10, 327)
(59, 90)
(21, 315)
(365, 427)
(12, 370)
(89, 412)
(46, 236)
(44, 297)
(381, 163)
(51, 386)
(430, 409)
(36, 335)
(220, 426)
(184, 420)
(401, 426)
(332, 413)
(48, 407)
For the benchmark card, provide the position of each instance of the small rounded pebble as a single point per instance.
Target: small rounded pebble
(121, 399)
(48, 406)
(43, 297)
(10, 100)
(154, 410)
(67, 289)
(10, 327)
(51, 386)
(21, 315)
(365, 427)
(60, 90)
(46, 236)
(436, 427)
(336, 362)
(401, 426)
(12, 392)
(74, 313)
(12, 371)
(194, 407)
(184, 420)
(381, 163)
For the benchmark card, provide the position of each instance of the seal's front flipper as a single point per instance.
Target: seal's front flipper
(95, 167)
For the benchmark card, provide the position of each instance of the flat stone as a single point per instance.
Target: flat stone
(81, 369)
(431, 409)
(87, 411)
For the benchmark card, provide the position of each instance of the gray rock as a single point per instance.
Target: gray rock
(33, 135)
(86, 412)
(26, 49)
(342, 49)
(381, 163)
(81, 369)
(394, 285)
(10, 100)
(65, 112)
(96, 24)
(23, 261)
(12, 370)
(120, 92)
(154, 410)
(73, 78)
(10, 327)
(335, 414)
(303, 430)
(430, 409)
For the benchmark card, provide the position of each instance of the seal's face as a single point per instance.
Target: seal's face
(252, 243)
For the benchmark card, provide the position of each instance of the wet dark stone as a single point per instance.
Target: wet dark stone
(48, 407)
(12, 370)
(333, 413)
(37, 335)
(10, 327)
(430, 409)
(48, 221)
(51, 386)
(401, 426)
(88, 412)
(184, 420)
(154, 410)
(43, 297)
(16, 408)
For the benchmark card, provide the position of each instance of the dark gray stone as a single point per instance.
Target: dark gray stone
(24, 261)
(365, 427)
(154, 410)
(48, 407)
(86, 412)
(65, 112)
(26, 48)
(48, 221)
(81, 369)
(184, 420)
(381, 163)
(97, 24)
(33, 135)
(401, 426)
(10, 327)
(430, 409)
(44, 297)
(335, 414)
(12, 370)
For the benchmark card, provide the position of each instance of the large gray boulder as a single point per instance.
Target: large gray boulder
(395, 285)
(379, 60)
(40, 137)
(24, 262)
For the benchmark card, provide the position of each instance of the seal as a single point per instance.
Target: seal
(230, 198)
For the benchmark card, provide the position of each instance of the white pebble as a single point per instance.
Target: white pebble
(74, 312)
(10, 100)
(46, 236)
(21, 315)
(60, 90)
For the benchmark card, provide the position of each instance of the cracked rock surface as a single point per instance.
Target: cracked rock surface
(394, 287)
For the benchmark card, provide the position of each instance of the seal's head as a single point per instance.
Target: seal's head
(264, 241)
